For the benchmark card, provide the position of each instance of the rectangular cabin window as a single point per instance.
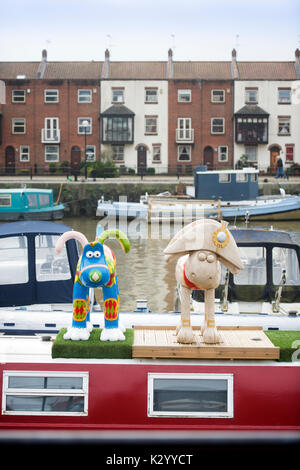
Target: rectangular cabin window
(13, 260)
(224, 177)
(241, 177)
(255, 268)
(5, 200)
(190, 395)
(45, 393)
(49, 265)
(285, 258)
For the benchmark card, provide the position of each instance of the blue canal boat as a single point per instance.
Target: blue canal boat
(29, 204)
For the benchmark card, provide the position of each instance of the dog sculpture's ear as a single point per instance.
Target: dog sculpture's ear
(118, 235)
(67, 236)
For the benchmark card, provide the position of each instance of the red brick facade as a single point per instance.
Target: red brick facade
(213, 149)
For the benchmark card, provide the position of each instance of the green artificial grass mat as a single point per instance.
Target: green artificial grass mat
(93, 348)
(286, 341)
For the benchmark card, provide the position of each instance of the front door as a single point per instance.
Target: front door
(208, 157)
(141, 159)
(75, 160)
(274, 152)
(10, 160)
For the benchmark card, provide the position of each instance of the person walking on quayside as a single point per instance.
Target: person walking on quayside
(280, 171)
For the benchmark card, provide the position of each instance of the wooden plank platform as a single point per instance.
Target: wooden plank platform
(240, 342)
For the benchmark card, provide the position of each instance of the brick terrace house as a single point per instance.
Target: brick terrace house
(46, 106)
(200, 114)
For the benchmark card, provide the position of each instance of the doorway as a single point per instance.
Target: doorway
(75, 160)
(274, 152)
(208, 157)
(10, 166)
(141, 159)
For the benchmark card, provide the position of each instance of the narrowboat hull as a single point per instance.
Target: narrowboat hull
(56, 213)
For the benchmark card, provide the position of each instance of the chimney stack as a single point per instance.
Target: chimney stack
(234, 67)
(170, 70)
(297, 62)
(105, 67)
(42, 65)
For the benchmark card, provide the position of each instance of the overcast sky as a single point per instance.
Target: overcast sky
(146, 29)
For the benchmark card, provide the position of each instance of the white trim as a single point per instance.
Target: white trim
(55, 96)
(211, 125)
(85, 95)
(212, 95)
(189, 376)
(45, 392)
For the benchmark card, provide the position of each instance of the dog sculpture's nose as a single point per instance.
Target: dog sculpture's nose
(95, 276)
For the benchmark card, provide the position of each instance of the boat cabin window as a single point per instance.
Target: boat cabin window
(13, 260)
(285, 259)
(44, 200)
(255, 268)
(224, 178)
(190, 395)
(45, 393)
(32, 200)
(5, 200)
(49, 265)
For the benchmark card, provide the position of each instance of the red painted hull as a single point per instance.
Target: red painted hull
(266, 397)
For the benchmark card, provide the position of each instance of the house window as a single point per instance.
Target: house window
(289, 153)
(18, 96)
(81, 128)
(91, 153)
(51, 153)
(184, 96)
(218, 96)
(251, 130)
(117, 129)
(156, 154)
(217, 125)
(184, 153)
(184, 130)
(284, 125)
(251, 152)
(251, 95)
(223, 153)
(19, 125)
(51, 96)
(13, 255)
(52, 132)
(284, 95)
(48, 265)
(151, 95)
(84, 96)
(45, 393)
(190, 395)
(118, 153)
(150, 124)
(24, 153)
(118, 95)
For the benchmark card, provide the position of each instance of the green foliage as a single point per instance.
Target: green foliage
(285, 340)
(103, 169)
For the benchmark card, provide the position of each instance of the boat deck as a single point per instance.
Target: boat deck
(236, 343)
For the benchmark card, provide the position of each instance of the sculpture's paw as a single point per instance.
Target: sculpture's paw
(89, 326)
(122, 327)
(211, 336)
(76, 334)
(185, 335)
(112, 334)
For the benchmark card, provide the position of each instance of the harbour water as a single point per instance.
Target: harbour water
(143, 272)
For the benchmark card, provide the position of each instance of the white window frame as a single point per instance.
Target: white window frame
(282, 100)
(51, 96)
(224, 153)
(24, 155)
(213, 100)
(194, 414)
(45, 392)
(51, 126)
(212, 125)
(80, 128)
(118, 150)
(190, 153)
(182, 93)
(156, 151)
(285, 123)
(56, 153)
(155, 126)
(248, 92)
(151, 98)
(84, 95)
(119, 94)
(15, 126)
(16, 99)
(91, 149)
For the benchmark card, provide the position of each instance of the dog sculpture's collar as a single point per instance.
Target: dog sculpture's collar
(187, 282)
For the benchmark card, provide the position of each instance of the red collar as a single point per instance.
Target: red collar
(187, 282)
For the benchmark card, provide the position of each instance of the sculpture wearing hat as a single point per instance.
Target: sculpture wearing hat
(202, 245)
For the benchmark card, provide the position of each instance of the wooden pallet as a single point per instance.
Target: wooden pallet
(239, 342)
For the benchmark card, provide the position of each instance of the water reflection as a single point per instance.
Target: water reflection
(143, 272)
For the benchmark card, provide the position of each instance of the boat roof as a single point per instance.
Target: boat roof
(32, 226)
(259, 236)
(27, 190)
